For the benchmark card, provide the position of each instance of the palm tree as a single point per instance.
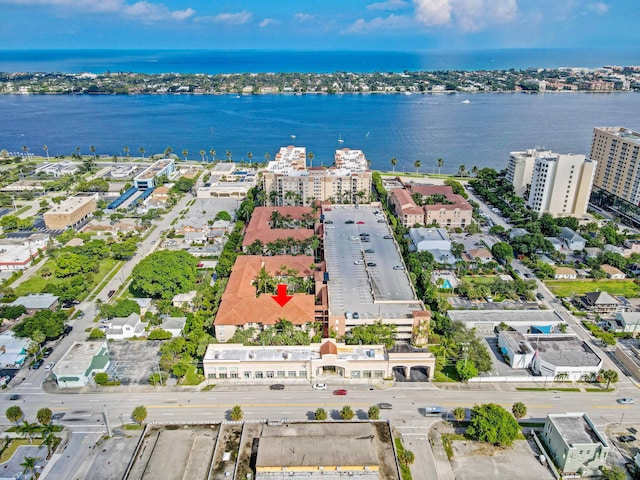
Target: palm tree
(142, 152)
(92, 149)
(440, 164)
(374, 412)
(212, 152)
(267, 156)
(38, 337)
(28, 429)
(475, 170)
(202, 154)
(462, 171)
(394, 162)
(228, 154)
(29, 466)
(78, 152)
(46, 151)
(139, 414)
(49, 441)
(250, 156)
(311, 156)
(25, 149)
(184, 154)
(115, 159)
(417, 164)
(519, 410)
(236, 413)
(320, 414)
(168, 151)
(611, 376)
(459, 414)
(126, 151)
(346, 413)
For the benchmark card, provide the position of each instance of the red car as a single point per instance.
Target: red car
(360, 222)
(200, 265)
(340, 392)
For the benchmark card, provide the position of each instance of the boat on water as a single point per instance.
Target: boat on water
(466, 101)
(340, 140)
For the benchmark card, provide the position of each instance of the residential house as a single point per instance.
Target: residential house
(571, 240)
(565, 273)
(625, 322)
(144, 304)
(194, 229)
(478, 255)
(35, 302)
(612, 272)
(174, 325)
(591, 252)
(556, 243)
(517, 232)
(121, 328)
(630, 247)
(184, 301)
(13, 350)
(574, 443)
(433, 240)
(602, 303)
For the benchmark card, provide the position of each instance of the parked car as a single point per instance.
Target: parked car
(388, 237)
(37, 364)
(328, 222)
(340, 391)
(111, 293)
(625, 401)
(539, 296)
(276, 386)
(358, 262)
(47, 351)
(15, 397)
(626, 438)
(356, 315)
(371, 264)
(385, 406)
(349, 222)
(369, 250)
(49, 367)
(398, 267)
(319, 386)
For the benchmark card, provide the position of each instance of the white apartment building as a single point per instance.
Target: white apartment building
(288, 181)
(520, 168)
(616, 149)
(561, 184)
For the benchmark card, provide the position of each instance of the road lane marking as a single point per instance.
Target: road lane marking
(258, 405)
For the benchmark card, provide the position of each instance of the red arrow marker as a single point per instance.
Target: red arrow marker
(282, 298)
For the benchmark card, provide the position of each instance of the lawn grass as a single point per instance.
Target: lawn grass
(541, 389)
(566, 288)
(37, 283)
(599, 390)
(404, 469)
(479, 279)
(13, 446)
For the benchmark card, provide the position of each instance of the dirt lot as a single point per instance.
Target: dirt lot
(472, 460)
(133, 361)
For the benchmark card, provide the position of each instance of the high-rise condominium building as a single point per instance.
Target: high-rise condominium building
(520, 169)
(616, 149)
(561, 184)
(288, 181)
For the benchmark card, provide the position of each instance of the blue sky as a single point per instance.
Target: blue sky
(318, 24)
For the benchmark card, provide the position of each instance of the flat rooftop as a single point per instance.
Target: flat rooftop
(220, 352)
(78, 358)
(575, 429)
(71, 204)
(564, 350)
(296, 445)
(528, 317)
(154, 169)
(374, 291)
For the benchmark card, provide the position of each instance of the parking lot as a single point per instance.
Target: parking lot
(134, 361)
(365, 268)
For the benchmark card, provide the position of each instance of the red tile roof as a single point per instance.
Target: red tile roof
(240, 306)
(259, 227)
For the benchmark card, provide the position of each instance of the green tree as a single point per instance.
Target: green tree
(96, 333)
(49, 441)
(374, 412)
(159, 334)
(320, 414)
(493, 424)
(347, 413)
(101, 378)
(503, 252)
(466, 369)
(377, 333)
(459, 414)
(44, 415)
(164, 274)
(417, 164)
(139, 414)
(608, 339)
(613, 473)
(519, 410)
(27, 429)
(29, 466)
(236, 413)
(394, 162)
(440, 164)
(406, 457)
(610, 376)
(14, 414)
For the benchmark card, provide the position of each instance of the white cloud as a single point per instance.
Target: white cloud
(266, 22)
(303, 17)
(392, 22)
(140, 10)
(388, 5)
(598, 7)
(467, 15)
(231, 18)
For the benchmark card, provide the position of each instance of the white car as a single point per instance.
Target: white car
(319, 386)
(49, 367)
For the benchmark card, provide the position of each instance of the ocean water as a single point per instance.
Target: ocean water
(409, 127)
(244, 61)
